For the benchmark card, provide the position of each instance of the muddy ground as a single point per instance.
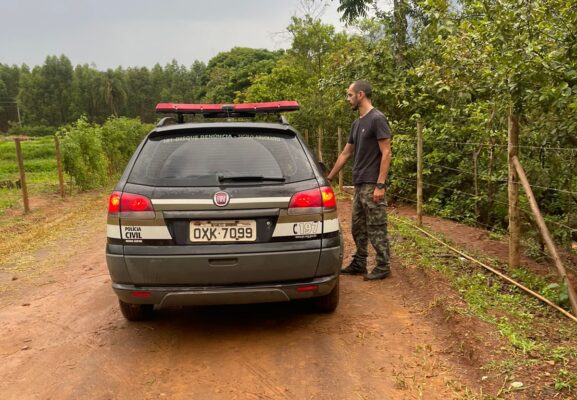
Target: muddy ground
(63, 336)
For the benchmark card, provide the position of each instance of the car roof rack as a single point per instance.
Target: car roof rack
(244, 110)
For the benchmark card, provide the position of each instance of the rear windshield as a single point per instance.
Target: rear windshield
(209, 158)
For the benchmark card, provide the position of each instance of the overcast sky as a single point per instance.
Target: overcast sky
(111, 33)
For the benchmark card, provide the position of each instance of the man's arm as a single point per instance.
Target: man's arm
(386, 153)
(341, 161)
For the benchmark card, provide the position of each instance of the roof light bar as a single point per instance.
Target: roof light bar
(274, 107)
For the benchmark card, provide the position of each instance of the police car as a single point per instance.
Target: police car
(222, 211)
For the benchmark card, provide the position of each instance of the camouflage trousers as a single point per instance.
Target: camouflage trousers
(370, 224)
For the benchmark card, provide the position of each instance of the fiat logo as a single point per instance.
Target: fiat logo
(221, 199)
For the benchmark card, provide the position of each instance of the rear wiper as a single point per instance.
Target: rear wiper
(250, 178)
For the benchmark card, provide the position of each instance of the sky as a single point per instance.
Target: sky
(127, 33)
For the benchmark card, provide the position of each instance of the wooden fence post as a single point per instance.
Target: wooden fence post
(340, 145)
(307, 136)
(59, 166)
(476, 154)
(420, 125)
(513, 189)
(545, 232)
(320, 144)
(22, 175)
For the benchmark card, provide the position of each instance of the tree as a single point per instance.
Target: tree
(87, 100)
(9, 77)
(353, 10)
(229, 73)
(45, 92)
(304, 73)
(113, 90)
(141, 96)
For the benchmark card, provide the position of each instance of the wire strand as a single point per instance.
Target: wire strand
(494, 179)
(528, 212)
(486, 177)
(503, 145)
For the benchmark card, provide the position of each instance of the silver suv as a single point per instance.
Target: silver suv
(222, 213)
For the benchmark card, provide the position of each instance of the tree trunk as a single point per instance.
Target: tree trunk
(400, 25)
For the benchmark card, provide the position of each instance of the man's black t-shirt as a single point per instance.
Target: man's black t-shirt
(365, 134)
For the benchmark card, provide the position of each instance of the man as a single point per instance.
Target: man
(370, 144)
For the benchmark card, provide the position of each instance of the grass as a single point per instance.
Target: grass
(39, 164)
(566, 380)
(534, 333)
(28, 238)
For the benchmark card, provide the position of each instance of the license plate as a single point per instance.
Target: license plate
(223, 231)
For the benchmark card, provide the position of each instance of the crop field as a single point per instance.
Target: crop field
(40, 166)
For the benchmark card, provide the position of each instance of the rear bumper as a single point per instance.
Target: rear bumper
(222, 269)
(189, 296)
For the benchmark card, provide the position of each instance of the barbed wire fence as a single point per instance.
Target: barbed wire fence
(468, 181)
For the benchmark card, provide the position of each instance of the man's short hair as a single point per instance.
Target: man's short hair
(363, 86)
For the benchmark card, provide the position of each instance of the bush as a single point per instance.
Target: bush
(120, 137)
(93, 154)
(82, 154)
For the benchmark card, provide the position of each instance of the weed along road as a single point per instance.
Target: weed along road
(63, 336)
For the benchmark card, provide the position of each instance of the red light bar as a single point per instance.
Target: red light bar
(246, 108)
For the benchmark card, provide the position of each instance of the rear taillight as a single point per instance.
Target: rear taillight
(128, 205)
(114, 202)
(312, 201)
(135, 203)
(307, 199)
(329, 200)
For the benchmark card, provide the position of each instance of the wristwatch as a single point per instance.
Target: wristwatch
(380, 185)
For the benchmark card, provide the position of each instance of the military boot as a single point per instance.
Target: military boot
(378, 273)
(354, 269)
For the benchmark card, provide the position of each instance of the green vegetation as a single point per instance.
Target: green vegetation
(94, 154)
(536, 334)
(566, 380)
(83, 155)
(39, 164)
(58, 93)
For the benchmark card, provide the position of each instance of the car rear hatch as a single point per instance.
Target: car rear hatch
(231, 209)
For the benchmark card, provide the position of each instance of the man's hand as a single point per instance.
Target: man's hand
(341, 161)
(378, 195)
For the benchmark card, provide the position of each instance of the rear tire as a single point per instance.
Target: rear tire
(136, 312)
(327, 304)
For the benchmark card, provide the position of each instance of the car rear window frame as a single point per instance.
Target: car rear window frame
(298, 153)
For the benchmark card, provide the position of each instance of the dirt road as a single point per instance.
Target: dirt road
(63, 337)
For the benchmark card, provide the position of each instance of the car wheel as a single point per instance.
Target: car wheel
(328, 303)
(136, 312)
